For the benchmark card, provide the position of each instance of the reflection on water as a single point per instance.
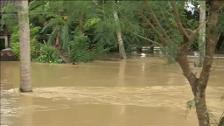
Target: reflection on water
(139, 92)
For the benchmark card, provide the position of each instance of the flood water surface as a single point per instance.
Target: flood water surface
(138, 92)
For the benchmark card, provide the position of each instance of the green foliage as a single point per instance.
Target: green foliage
(91, 23)
(81, 51)
(48, 54)
(15, 43)
(170, 52)
(8, 18)
(35, 46)
(164, 23)
(190, 104)
(87, 29)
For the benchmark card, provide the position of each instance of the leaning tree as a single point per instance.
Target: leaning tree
(177, 36)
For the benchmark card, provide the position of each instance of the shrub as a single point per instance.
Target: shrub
(48, 54)
(80, 49)
(35, 46)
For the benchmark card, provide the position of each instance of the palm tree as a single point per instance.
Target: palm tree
(25, 59)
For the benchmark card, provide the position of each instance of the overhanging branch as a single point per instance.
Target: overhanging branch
(179, 24)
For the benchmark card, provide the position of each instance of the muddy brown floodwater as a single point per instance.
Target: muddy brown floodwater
(139, 92)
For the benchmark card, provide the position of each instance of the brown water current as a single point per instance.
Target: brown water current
(138, 92)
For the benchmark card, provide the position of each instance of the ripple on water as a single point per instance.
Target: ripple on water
(155, 96)
(6, 107)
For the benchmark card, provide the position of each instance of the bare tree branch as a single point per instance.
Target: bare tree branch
(148, 39)
(212, 36)
(185, 66)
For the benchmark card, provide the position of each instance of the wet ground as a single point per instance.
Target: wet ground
(139, 92)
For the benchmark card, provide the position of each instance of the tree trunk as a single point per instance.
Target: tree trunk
(119, 33)
(198, 86)
(201, 109)
(202, 32)
(25, 59)
(60, 51)
(212, 38)
(199, 92)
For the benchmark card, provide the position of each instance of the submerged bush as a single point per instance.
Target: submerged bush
(48, 54)
(81, 50)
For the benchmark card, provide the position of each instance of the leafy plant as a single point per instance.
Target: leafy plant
(35, 45)
(8, 17)
(80, 51)
(48, 54)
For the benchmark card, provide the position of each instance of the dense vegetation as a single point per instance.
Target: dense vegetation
(72, 31)
(81, 31)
